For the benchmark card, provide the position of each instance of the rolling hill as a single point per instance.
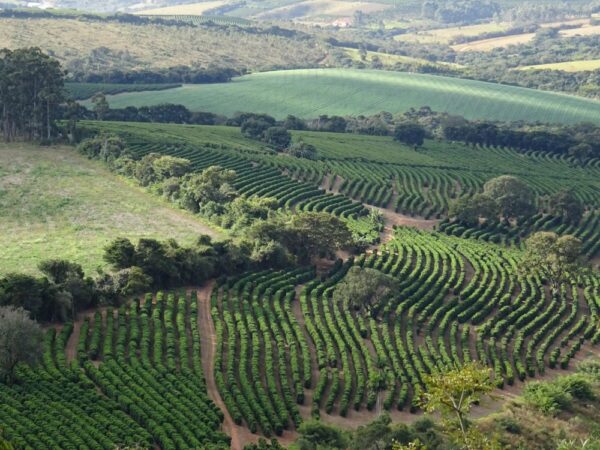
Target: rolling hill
(311, 92)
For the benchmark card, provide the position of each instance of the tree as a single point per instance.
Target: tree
(452, 394)
(277, 137)
(555, 258)
(301, 149)
(364, 288)
(31, 90)
(23, 291)
(410, 133)
(73, 291)
(468, 210)
(20, 340)
(60, 270)
(316, 435)
(581, 151)
(566, 205)
(213, 184)
(373, 436)
(132, 280)
(254, 128)
(513, 197)
(120, 253)
(294, 123)
(311, 234)
(170, 166)
(105, 146)
(101, 107)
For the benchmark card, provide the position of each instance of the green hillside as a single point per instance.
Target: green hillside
(312, 92)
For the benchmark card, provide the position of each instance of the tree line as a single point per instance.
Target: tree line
(178, 74)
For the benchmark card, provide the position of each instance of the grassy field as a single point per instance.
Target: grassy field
(312, 92)
(56, 204)
(567, 66)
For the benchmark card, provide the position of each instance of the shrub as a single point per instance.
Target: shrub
(509, 424)
(547, 397)
(577, 386)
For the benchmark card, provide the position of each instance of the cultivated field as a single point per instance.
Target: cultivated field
(567, 66)
(56, 204)
(186, 9)
(311, 92)
(313, 9)
(379, 172)
(257, 353)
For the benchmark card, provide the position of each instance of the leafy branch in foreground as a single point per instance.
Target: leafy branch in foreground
(452, 394)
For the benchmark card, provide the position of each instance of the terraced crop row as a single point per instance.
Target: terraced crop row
(588, 230)
(455, 301)
(263, 181)
(137, 379)
(262, 360)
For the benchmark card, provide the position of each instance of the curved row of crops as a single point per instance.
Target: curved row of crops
(263, 181)
(137, 379)
(455, 301)
(588, 230)
(262, 360)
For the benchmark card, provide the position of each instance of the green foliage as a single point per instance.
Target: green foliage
(452, 394)
(365, 289)
(547, 397)
(409, 133)
(313, 234)
(469, 210)
(212, 185)
(264, 445)
(120, 253)
(314, 435)
(31, 89)
(590, 368)
(100, 105)
(513, 197)
(106, 147)
(277, 137)
(556, 258)
(82, 91)
(566, 205)
(20, 341)
(301, 149)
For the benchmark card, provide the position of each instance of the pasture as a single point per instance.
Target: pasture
(57, 204)
(309, 93)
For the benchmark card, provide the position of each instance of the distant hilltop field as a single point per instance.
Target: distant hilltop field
(311, 92)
